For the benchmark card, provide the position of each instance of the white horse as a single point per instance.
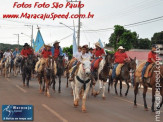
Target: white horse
(17, 64)
(8, 66)
(82, 82)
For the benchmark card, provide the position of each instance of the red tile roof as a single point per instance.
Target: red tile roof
(138, 54)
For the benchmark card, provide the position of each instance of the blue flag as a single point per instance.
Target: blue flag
(100, 43)
(39, 43)
(75, 49)
(33, 44)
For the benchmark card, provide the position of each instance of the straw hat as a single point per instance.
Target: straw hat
(98, 44)
(47, 46)
(121, 48)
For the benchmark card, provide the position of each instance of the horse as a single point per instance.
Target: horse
(46, 74)
(7, 66)
(82, 81)
(27, 69)
(17, 64)
(60, 70)
(67, 69)
(102, 74)
(156, 83)
(124, 75)
(2, 67)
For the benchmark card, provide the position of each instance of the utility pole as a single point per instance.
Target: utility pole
(79, 23)
(18, 40)
(31, 34)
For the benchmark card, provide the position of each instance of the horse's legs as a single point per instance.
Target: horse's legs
(67, 75)
(120, 87)
(115, 86)
(135, 92)
(84, 97)
(144, 97)
(47, 88)
(73, 89)
(103, 91)
(59, 90)
(53, 83)
(76, 94)
(23, 79)
(128, 86)
(153, 98)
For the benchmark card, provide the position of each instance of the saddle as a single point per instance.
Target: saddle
(148, 71)
(118, 69)
(95, 63)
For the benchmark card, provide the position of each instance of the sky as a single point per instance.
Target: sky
(107, 13)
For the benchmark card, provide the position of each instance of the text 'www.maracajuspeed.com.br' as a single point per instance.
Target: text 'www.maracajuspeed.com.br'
(52, 16)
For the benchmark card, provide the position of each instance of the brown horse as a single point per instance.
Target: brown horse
(70, 64)
(124, 75)
(156, 83)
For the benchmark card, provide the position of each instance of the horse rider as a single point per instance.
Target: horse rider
(6, 55)
(46, 53)
(151, 59)
(79, 58)
(98, 54)
(1, 54)
(56, 50)
(27, 50)
(16, 52)
(120, 58)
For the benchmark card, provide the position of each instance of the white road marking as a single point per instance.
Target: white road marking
(23, 90)
(55, 113)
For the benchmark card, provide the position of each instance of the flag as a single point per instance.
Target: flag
(100, 43)
(33, 44)
(39, 42)
(75, 49)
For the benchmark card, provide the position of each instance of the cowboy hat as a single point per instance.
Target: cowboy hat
(47, 45)
(56, 42)
(121, 48)
(26, 44)
(98, 44)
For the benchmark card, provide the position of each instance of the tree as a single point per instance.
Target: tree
(157, 38)
(144, 43)
(69, 51)
(123, 37)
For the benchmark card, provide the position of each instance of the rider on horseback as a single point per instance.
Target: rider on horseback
(25, 52)
(151, 59)
(120, 58)
(56, 50)
(79, 58)
(6, 55)
(98, 53)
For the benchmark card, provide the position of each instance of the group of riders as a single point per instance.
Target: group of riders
(95, 55)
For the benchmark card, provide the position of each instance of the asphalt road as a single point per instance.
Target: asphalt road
(59, 107)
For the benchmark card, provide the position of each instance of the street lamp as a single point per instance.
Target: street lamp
(18, 40)
(66, 25)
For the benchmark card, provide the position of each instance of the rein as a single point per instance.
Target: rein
(83, 82)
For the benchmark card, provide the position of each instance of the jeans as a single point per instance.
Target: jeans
(144, 69)
(114, 71)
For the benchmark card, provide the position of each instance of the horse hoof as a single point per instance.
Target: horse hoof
(40, 91)
(125, 94)
(121, 95)
(83, 109)
(146, 109)
(104, 98)
(59, 91)
(23, 85)
(48, 95)
(135, 106)
(76, 103)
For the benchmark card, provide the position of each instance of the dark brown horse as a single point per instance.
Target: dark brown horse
(156, 83)
(124, 75)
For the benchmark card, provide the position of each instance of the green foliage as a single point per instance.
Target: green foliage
(157, 38)
(9, 46)
(144, 43)
(123, 37)
(69, 51)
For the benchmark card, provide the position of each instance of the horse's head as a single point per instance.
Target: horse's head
(60, 61)
(86, 67)
(132, 64)
(109, 58)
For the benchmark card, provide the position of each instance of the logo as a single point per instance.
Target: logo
(17, 112)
